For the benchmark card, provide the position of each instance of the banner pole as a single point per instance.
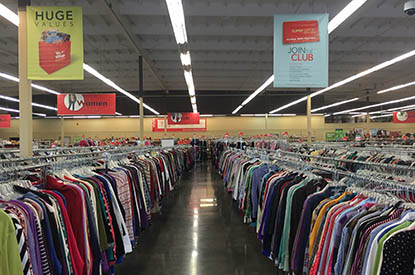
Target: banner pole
(62, 132)
(309, 133)
(25, 88)
(141, 91)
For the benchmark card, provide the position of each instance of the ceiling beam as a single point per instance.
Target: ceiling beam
(127, 33)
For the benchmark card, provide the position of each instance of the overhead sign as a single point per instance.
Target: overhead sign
(183, 118)
(158, 126)
(55, 48)
(404, 117)
(5, 121)
(301, 51)
(86, 104)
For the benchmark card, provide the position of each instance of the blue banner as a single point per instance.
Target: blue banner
(301, 51)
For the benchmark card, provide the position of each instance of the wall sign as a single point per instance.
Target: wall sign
(183, 118)
(404, 117)
(55, 43)
(158, 126)
(86, 104)
(301, 51)
(5, 121)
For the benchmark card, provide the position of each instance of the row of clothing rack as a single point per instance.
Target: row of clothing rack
(315, 217)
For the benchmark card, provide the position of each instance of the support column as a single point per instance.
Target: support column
(309, 132)
(165, 124)
(62, 132)
(368, 122)
(266, 122)
(141, 91)
(25, 88)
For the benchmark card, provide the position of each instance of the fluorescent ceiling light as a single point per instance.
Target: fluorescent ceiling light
(118, 114)
(206, 115)
(327, 115)
(237, 109)
(397, 87)
(188, 76)
(192, 91)
(185, 58)
(289, 105)
(109, 82)
(394, 109)
(134, 116)
(359, 115)
(9, 98)
(38, 87)
(335, 104)
(176, 13)
(345, 13)
(94, 116)
(387, 115)
(259, 90)
(193, 100)
(9, 15)
(17, 111)
(376, 105)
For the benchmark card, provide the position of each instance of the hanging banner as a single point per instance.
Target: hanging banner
(183, 118)
(403, 117)
(86, 104)
(5, 121)
(158, 126)
(301, 51)
(55, 48)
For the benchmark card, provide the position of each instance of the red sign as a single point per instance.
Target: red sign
(404, 117)
(86, 104)
(183, 118)
(158, 126)
(300, 32)
(4, 121)
(54, 56)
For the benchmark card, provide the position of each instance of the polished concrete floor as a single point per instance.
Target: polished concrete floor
(199, 232)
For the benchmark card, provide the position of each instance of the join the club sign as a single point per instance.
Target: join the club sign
(301, 51)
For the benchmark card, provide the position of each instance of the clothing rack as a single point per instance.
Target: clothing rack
(74, 160)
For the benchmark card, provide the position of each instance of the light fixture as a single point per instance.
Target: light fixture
(259, 90)
(193, 100)
(17, 111)
(9, 98)
(327, 115)
(352, 78)
(110, 83)
(403, 108)
(134, 116)
(176, 13)
(397, 87)
(345, 13)
(335, 104)
(118, 114)
(387, 115)
(192, 91)
(9, 15)
(376, 105)
(359, 115)
(185, 58)
(237, 109)
(38, 87)
(206, 115)
(94, 117)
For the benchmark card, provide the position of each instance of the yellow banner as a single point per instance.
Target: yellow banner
(55, 43)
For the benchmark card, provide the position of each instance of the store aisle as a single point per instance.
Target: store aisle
(200, 232)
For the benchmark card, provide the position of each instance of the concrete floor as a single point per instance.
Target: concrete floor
(199, 232)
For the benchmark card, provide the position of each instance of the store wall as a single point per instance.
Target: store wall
(217, 126)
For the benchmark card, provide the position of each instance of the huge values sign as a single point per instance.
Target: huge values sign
(4, 121)
(404, 117)
(183, 118)
(86, 104)
(301, 51)
(55, 48)
(158, 126)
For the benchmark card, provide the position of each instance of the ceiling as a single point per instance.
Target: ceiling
(231, 45)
